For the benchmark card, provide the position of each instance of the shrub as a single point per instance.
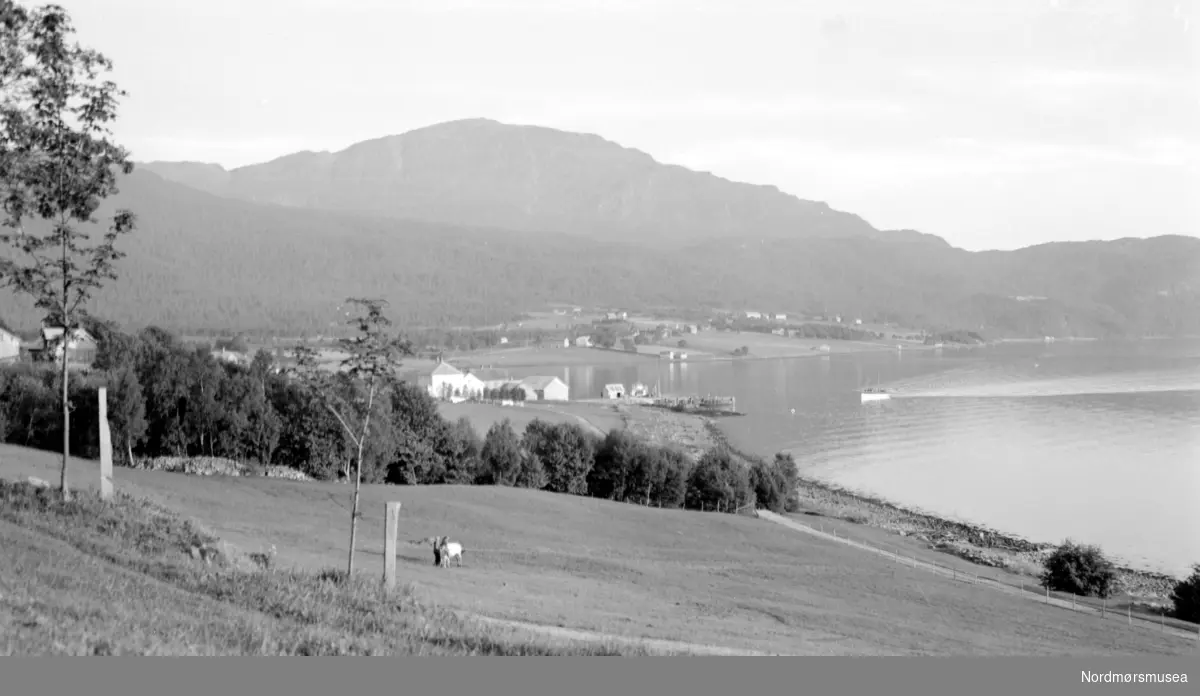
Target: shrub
(1186, 597)
(1078, 569)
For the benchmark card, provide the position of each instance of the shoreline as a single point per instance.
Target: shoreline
(972, 542)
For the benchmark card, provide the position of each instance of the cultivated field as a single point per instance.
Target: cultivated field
(655, 425)
(723, 343)
(549, 355)
(626, 570)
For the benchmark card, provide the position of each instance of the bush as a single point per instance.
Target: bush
(1186, 597)
(1078, 569)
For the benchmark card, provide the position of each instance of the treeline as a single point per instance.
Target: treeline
(165, 398)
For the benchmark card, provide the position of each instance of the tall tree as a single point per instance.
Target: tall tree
(373, 357)
(56, 166)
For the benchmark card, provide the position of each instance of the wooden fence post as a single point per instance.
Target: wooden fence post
(1129, 612)
(106, 482)
(391, 522)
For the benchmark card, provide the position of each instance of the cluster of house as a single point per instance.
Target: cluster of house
(80, 348)
(448, 382)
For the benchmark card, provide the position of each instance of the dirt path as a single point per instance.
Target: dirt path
(962, 577)
(587, 424)
(655, 644)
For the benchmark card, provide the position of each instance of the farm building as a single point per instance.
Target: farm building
(545, 388)
(583, 342)
(81, 349)
(667, 355)
(614, 391)
(754, 315)
(639, 389)
(566, 343)
(10, 346)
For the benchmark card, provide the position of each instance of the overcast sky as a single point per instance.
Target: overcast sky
(993, 123)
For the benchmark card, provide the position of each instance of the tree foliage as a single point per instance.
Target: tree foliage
(1186, 596)
(56, 166)
(1079, 569)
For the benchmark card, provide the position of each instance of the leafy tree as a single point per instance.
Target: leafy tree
(371, 363)
(1186, 596)
(718, 483)
(56, 166)
(564, 450)
(501, 456)
(775, 482)
(1079, 569)
(418, 428)
(126, 410)
(682, 344)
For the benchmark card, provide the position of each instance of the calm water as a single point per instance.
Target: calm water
(1096, 441)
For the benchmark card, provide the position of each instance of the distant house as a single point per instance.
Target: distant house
(858, 322)
(837, 319)
(614, 391)
(10, 346)
(504, 340)
(667, 355)
(81, 348)
(824, 348)
(583, 342)
(560, 312)
(754, 315)
(545, 388)
(566, 343)
(472, 387)
(692, 328)
(779, 332)
(446, 381)
(639, 389)
(780, 317)
(230, 356)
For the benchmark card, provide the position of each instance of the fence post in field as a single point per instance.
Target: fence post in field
(1047, 594)
(391, 522)
(1129, 612)
(106, 483)
(1072, 601)
(1162, 620)
(1104, 607)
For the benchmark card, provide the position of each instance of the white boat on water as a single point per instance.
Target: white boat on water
(874, 395)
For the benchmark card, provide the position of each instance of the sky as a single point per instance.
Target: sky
(995, 124)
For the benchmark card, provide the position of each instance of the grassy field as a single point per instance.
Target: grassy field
(723, 343)
(96, 578)
(596, 419)
(549, 355)
(655, 425)
(629, 571)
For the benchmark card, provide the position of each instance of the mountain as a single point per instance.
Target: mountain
(201, 261)
(470, 222)
(481, 172)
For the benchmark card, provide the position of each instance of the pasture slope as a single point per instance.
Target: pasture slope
(570, 566)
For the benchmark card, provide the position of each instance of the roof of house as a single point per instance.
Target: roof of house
(614, 386)
(539, 382)
(52, 332)
(491, 375)
(469, 375)
(446, 369)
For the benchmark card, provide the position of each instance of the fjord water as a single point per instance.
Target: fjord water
(1095, 441)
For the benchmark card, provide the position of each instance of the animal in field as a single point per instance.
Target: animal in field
(450, 549)
(436, 543)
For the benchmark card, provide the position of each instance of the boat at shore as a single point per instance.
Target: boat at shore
(870, 394)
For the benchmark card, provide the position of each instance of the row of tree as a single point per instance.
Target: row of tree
(166, 398)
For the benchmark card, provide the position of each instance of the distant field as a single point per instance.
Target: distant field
(596, 419)
(547, 356)
(771, 346)
(628, 570)
(656, 425)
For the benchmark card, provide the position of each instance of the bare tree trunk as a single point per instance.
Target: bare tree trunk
(66, 393)
(358, 481)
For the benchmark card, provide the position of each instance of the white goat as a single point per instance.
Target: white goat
(450, 549)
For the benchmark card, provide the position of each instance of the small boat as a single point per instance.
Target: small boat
(871, 394)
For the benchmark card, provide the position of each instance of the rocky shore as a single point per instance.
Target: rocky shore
(974, 543)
